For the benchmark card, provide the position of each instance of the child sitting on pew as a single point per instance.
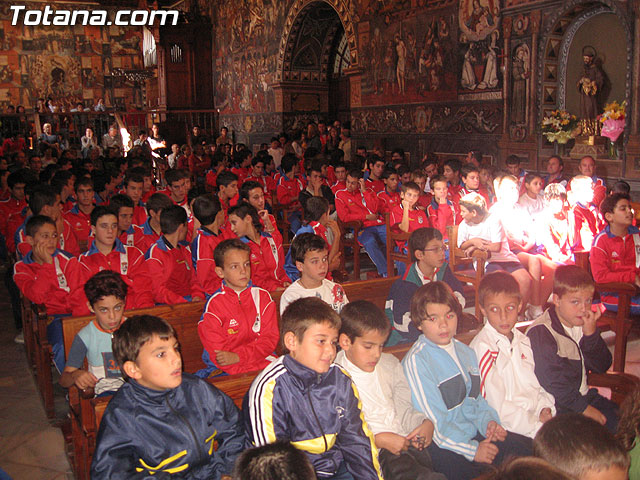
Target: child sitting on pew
(51, 277)
(407, 216)
(310, 401)
(507, 377)
(162, 421)
(239, 326)
(311, 257)
(207, 210)
(444, 378)
(107, 252)
(567, 345)
(427, 251)
(401, 433)
(107, 294)
(150, 229)
(169, 261)
(582, 448)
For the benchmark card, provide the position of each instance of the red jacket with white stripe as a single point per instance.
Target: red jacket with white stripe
(202, 247)
(352, 206)
(267, 262)
(241, 322)
(613, 258)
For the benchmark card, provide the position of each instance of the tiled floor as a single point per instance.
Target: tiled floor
(32, 447)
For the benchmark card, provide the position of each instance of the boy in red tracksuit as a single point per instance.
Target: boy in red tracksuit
(289, 188)
(420, 179)
(209, 213)
(340, 171)
(407, 217)
(243, 160)
(358, 203)
(169, 261)
(376, 166)
(257, 175)
(389, 198)
(109, 253)
(239, 326)
(615, 254)
(442, 211)
(79, 217)
(133, 186)
(584, 217)
(51, 277)
(151, 228)
(471, 178)
(14, 204)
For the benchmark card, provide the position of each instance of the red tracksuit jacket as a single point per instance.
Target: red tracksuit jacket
(441, 216)
(288, 190)
(244, 323)
(128, 262)
(356, 206)
(80, 223)
(7, 208)
(202, 248)
(586, 223)
(267, 262)
(613, 258)
(66, 242)
(59, 285)
(172, 277)
(388, 201)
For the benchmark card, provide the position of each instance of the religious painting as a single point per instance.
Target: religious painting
(480, 68)
(520, 83)
(478, 18)
(55, 76)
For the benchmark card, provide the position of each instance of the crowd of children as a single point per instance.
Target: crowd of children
(108, 241)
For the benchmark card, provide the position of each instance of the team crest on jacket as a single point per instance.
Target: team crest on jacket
(420, 220)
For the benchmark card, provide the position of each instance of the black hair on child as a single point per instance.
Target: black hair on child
(420, 238)
(225, 178)
(609, 203)
(19, 176)
(288, 162)
(526, 468)
(436, 179)
(247, 187)
(467, 168)
(103, 284)
(372, 159)
(175, 175)
(621, 187)
(432, 292)
(61, 179)
(314, 208)
(35, 223)
(454, 164)
(101, 211)
(274, 461)
(496, 283)
(206, 208)
(120, 200)
(229, 244)
(512, 160)
(577, 444)
(355, 173)
(300, 315)
(530, 177)
(362, 316)
(241, 210)
(306, 242)
(410, 186)
(41, 196)
(195, 192)
(258, 159)
(158, 202)
(134, 333)
(171, 218)
(133, 176)
(387, 172)
(82, 181)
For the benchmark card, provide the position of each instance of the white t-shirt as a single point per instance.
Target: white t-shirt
(534, 206)
(491, 230)
(332, 293)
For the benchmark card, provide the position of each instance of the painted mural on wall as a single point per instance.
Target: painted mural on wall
(246, 54)
(67, 64)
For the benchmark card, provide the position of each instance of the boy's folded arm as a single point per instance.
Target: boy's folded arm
(597, 357)
(550, 370)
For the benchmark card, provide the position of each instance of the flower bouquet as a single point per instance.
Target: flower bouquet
(560, 126)
(613, 120)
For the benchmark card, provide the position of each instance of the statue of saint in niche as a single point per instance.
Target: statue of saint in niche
(590, 85)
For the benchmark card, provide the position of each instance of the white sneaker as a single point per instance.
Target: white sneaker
(19, 338)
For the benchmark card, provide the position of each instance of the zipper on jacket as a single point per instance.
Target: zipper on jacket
(315, 415)
(186, 422)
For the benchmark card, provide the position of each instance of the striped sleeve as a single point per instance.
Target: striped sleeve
(261, 405)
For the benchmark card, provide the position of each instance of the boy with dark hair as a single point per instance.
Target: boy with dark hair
(253, 194)
(51, 277)
(531, 199)
(374, 181)
(305, 383)
(401, 433)
(444, 378)
(256, 174)
(106, 293)
(128, 233)
(613, 257)
(207, 210)
(513, 167)
(178, 186)
(315, 186)
(390, 196)
(340, 172)
(63, 182)
(227, 185)
(169, 261)
(79, 217)
(138, 434)
(107, 252)
(239, 326)
(356, 202)
(289, 188)
(151, 228)
(407, 217)
(310, 254)
(567, 345)
(420, 179)
(582, 448)
(442, 211)
(243, 161)
(507, 377)
(427, 250)
(15, 204)
(133, 188)
(470, 175)
(275, 461)
(452, 174)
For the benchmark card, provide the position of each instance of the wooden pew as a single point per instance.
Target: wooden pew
(86, 411)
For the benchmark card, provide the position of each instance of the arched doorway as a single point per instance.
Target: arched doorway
(317, 51)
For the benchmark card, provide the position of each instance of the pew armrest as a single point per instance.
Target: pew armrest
(621, 384)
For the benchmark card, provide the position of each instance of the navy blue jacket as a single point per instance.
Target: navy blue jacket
(150, 434)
